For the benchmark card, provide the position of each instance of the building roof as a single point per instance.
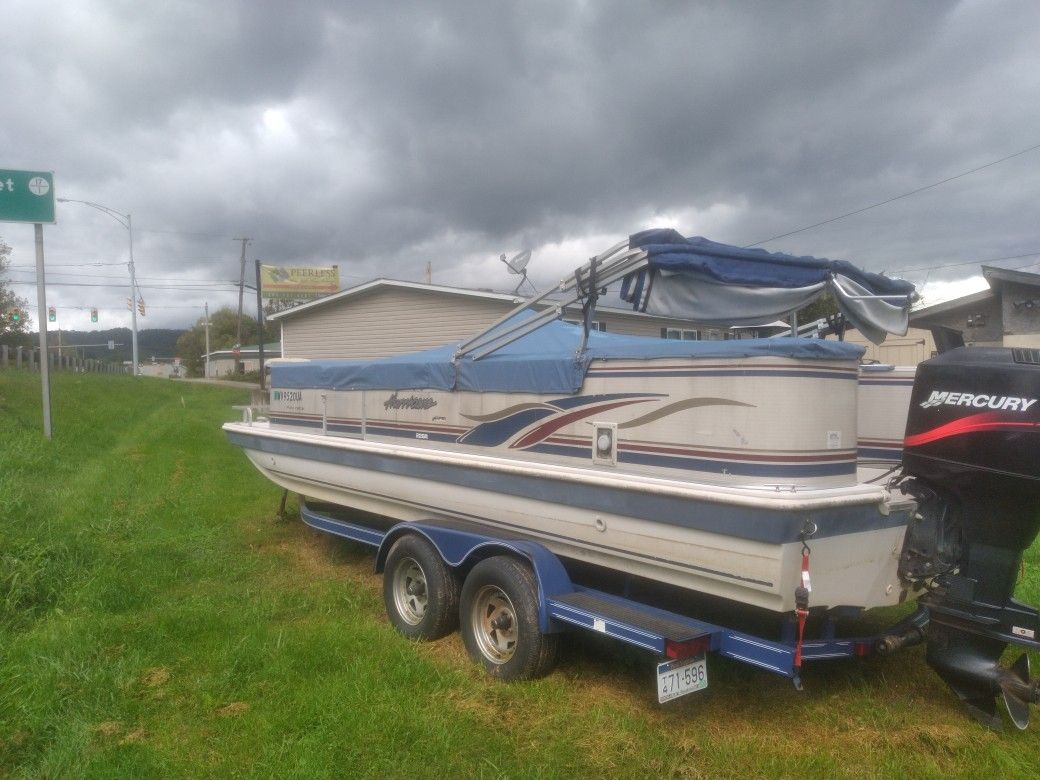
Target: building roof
(351, 292)
(972, 299)
(999, 275)
(251, 350)
(995, 278)
(486, 295)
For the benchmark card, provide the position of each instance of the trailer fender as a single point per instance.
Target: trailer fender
(461, 550)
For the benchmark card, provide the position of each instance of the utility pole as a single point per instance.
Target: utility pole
(207, 340)
(260, 323)
(133, 300)
(241, 287)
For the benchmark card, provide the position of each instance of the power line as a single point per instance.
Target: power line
(192, 288)
(897, 197)
(148, 278)
(64, 265)
(967, 262)
(196, 306)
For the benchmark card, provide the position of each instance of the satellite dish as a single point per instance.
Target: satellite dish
(518, 262)
(517, 266)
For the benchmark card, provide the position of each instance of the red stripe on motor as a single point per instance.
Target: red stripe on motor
(987, 421)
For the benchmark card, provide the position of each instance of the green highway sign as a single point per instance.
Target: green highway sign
(26, 196)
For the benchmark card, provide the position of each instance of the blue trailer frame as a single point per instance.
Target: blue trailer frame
(564, 605)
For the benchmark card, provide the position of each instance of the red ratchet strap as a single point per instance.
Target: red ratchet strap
(801, 600)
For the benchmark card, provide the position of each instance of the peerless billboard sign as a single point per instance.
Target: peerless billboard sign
(297, 283)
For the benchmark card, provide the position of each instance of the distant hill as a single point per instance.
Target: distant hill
(151, 342)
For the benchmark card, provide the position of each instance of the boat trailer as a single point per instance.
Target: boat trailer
(501, 623)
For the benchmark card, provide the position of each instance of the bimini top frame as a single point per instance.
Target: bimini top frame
(586, 285)
(701, 280)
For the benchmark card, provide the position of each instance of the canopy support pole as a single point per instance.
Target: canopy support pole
(607, 270)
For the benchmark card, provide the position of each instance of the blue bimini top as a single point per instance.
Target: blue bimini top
(543, 361)
(702, 280)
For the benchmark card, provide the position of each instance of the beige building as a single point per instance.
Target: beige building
(908, 350)
(387, 317)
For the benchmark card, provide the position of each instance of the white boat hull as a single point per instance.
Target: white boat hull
(738, 543)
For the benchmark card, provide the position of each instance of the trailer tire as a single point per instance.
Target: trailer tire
(499, 620)
(420, 591)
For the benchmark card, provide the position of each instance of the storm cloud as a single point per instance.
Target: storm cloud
(385, 136)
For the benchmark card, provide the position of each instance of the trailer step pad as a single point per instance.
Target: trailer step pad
(639, 617)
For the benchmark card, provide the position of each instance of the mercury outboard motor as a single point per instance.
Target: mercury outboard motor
(972, 455)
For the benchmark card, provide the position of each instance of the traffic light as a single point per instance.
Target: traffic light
(16, 316)
(130, 304)
(93, 315)
(52, 314)
(140, 306)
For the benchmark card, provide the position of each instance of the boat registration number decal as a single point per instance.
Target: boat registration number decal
(680, 677)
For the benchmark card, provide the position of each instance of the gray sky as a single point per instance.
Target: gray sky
(381, 136)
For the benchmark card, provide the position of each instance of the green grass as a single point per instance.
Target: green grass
(157, 620)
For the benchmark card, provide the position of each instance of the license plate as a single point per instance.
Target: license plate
(680, 677)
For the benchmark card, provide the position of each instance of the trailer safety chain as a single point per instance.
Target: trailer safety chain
(801, 593)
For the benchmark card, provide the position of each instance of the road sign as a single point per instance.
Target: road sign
(26, 196)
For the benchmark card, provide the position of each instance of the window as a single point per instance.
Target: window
(680, 334)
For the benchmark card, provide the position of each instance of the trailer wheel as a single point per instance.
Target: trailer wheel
(499, 618)
(420, 592)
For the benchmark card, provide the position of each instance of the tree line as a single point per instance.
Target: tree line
(13, 332)
(223, 334)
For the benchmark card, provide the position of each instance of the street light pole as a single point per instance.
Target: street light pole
(125, 221)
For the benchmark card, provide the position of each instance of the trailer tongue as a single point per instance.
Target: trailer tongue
(972, 455)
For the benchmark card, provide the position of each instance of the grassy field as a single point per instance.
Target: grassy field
(157, 620)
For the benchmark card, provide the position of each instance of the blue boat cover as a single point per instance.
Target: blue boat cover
(702, 280)
(543, 361)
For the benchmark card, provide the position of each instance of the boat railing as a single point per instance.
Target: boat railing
(902, 298)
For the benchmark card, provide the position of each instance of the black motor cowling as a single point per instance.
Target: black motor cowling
(972, 451)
